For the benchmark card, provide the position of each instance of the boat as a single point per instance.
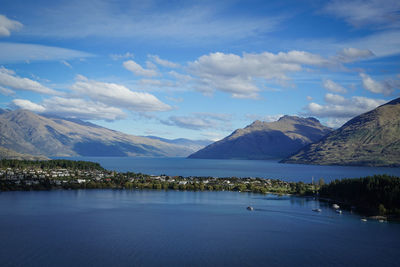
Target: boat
(317, 210)
(363, 219)
(339, 211)
(335, 206)
(381, 221)
(250, 208)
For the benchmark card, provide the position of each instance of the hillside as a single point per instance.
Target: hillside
(10, 154)
(371, 139)
(195, 145)
(265, 140)
(26, 132)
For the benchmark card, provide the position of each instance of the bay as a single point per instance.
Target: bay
(173, 228)
(236, 168)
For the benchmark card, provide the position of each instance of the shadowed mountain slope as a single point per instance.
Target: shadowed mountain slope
(26, 132)
(265, 140)
(370, 139)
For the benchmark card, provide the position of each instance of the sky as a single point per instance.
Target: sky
(198, 69)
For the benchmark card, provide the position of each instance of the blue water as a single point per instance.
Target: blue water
(237, 168)
(158, 228)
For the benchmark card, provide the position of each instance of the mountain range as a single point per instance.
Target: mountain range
(266, 140)
(29, 133)
(370, 139)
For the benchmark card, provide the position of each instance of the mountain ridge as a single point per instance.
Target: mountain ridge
(370, 139)
(30, 133)
(266, 140)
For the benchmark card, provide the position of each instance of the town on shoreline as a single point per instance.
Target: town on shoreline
(376, 195)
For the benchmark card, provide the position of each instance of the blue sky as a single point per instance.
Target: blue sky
(198, 69)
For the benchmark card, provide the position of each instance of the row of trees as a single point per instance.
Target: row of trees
(374, 194)
(50, 164)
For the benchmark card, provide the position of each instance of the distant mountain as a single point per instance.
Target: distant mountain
(195, 145)
(264, 140)
(371, 139)
(26, 132)
(10, 154)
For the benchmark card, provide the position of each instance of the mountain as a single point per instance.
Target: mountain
(264, 140)
(371, 139)
(27, 132)
(10, 154)
(195, 145)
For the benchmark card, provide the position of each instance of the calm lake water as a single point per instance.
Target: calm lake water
(238, 168)
(172, 228)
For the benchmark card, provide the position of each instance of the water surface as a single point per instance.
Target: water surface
(237, 168)
(173, 228)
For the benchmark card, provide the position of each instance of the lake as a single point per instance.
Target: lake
(237, 168)
(173, 228)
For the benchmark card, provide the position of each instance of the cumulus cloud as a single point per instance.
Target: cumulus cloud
(138, 70)
(7, 25)
(353, 54)
(27, 104)
(16, 52)
(385, 87)
(200, 121)
(378, 13)
(163, 62)
(82, 109)
(118, 95)
(338, 107)
(267, 118)
(333, 87)
(72, 108)
(240, 75)
(10, 80)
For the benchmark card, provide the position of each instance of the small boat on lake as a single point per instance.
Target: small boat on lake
(335, 206)
(317, 210)
(250, 208)
(363, 219)
(339, 211)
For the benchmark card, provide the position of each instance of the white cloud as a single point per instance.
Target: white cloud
(82, 109)
(200, 121)
(335, 99)
(72, 108)
(9, 79)
(385, 87)
(267, 118)
(64, 62)
(6, 91)
(353, 54)
(336, 122)
(7, 25)
(15, 52)
(163, 62)
(26, 104)
(338, 107)
(121, 56)
(241, 76)
(378, 13)
(118, 95)
(138, 70)
(333, 87)
(186, 22)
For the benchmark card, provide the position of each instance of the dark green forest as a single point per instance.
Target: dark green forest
(378, 194)
(50, 164)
